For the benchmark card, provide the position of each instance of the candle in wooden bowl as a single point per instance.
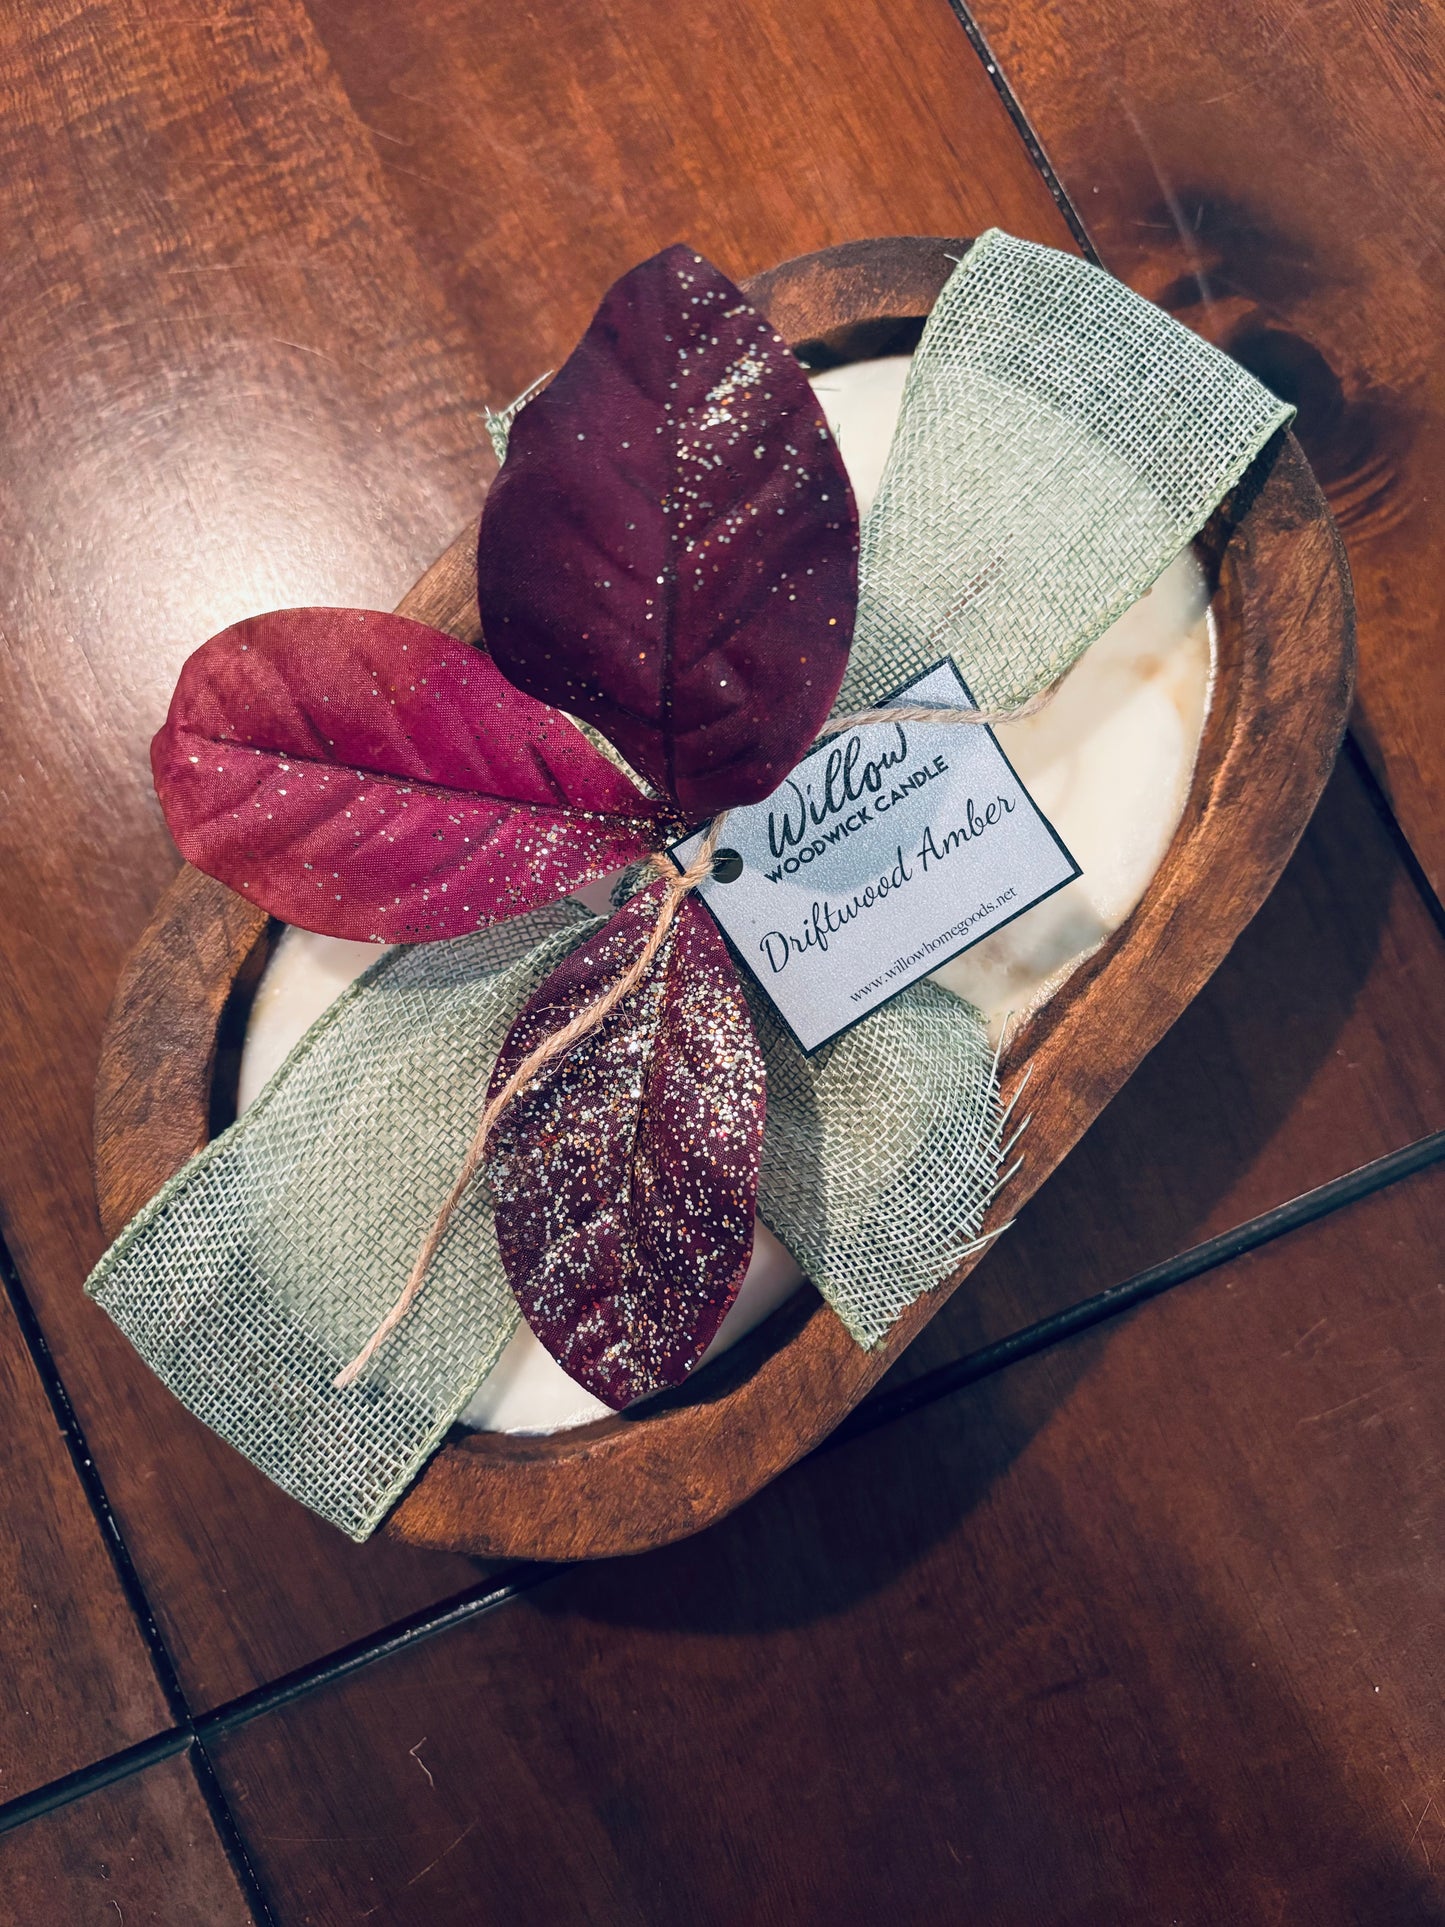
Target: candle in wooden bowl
(1280, 689)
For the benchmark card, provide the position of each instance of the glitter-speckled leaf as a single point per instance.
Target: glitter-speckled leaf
(625, 1175)
(369, 777)
(670, 550)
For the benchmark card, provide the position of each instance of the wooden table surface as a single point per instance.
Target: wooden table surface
(1117, 1620)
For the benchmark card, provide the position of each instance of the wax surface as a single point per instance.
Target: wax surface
(1108, 761)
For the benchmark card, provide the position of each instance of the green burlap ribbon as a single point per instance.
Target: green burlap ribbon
(1060, 441)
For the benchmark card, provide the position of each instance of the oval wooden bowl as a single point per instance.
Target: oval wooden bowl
(1285, 666)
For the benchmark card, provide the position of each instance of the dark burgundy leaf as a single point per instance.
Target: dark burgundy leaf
(625, 1176)
(365, 776)
(670, 550)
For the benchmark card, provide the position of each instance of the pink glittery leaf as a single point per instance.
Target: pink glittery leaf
(366, 776)
(670, 550)
(625, 1175)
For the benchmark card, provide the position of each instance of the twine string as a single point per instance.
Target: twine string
(921, 713)
(558, 1042)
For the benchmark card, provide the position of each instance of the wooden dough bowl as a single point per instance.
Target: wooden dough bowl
(1282, 606)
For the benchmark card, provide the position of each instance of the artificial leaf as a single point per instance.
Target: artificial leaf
(369, 777)
(670, 550)
(625, 1173)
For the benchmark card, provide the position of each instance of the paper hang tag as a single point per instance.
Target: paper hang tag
(889, 850)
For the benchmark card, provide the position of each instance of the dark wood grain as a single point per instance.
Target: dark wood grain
(1281, 691)
(143, 1853)
(1317, 1046)
(231, 386)
(250, 337)
(76, 1680)
(1118, 1641)
(264, 269)
(539, 152)
(1144, 1630)
(1272, 180)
